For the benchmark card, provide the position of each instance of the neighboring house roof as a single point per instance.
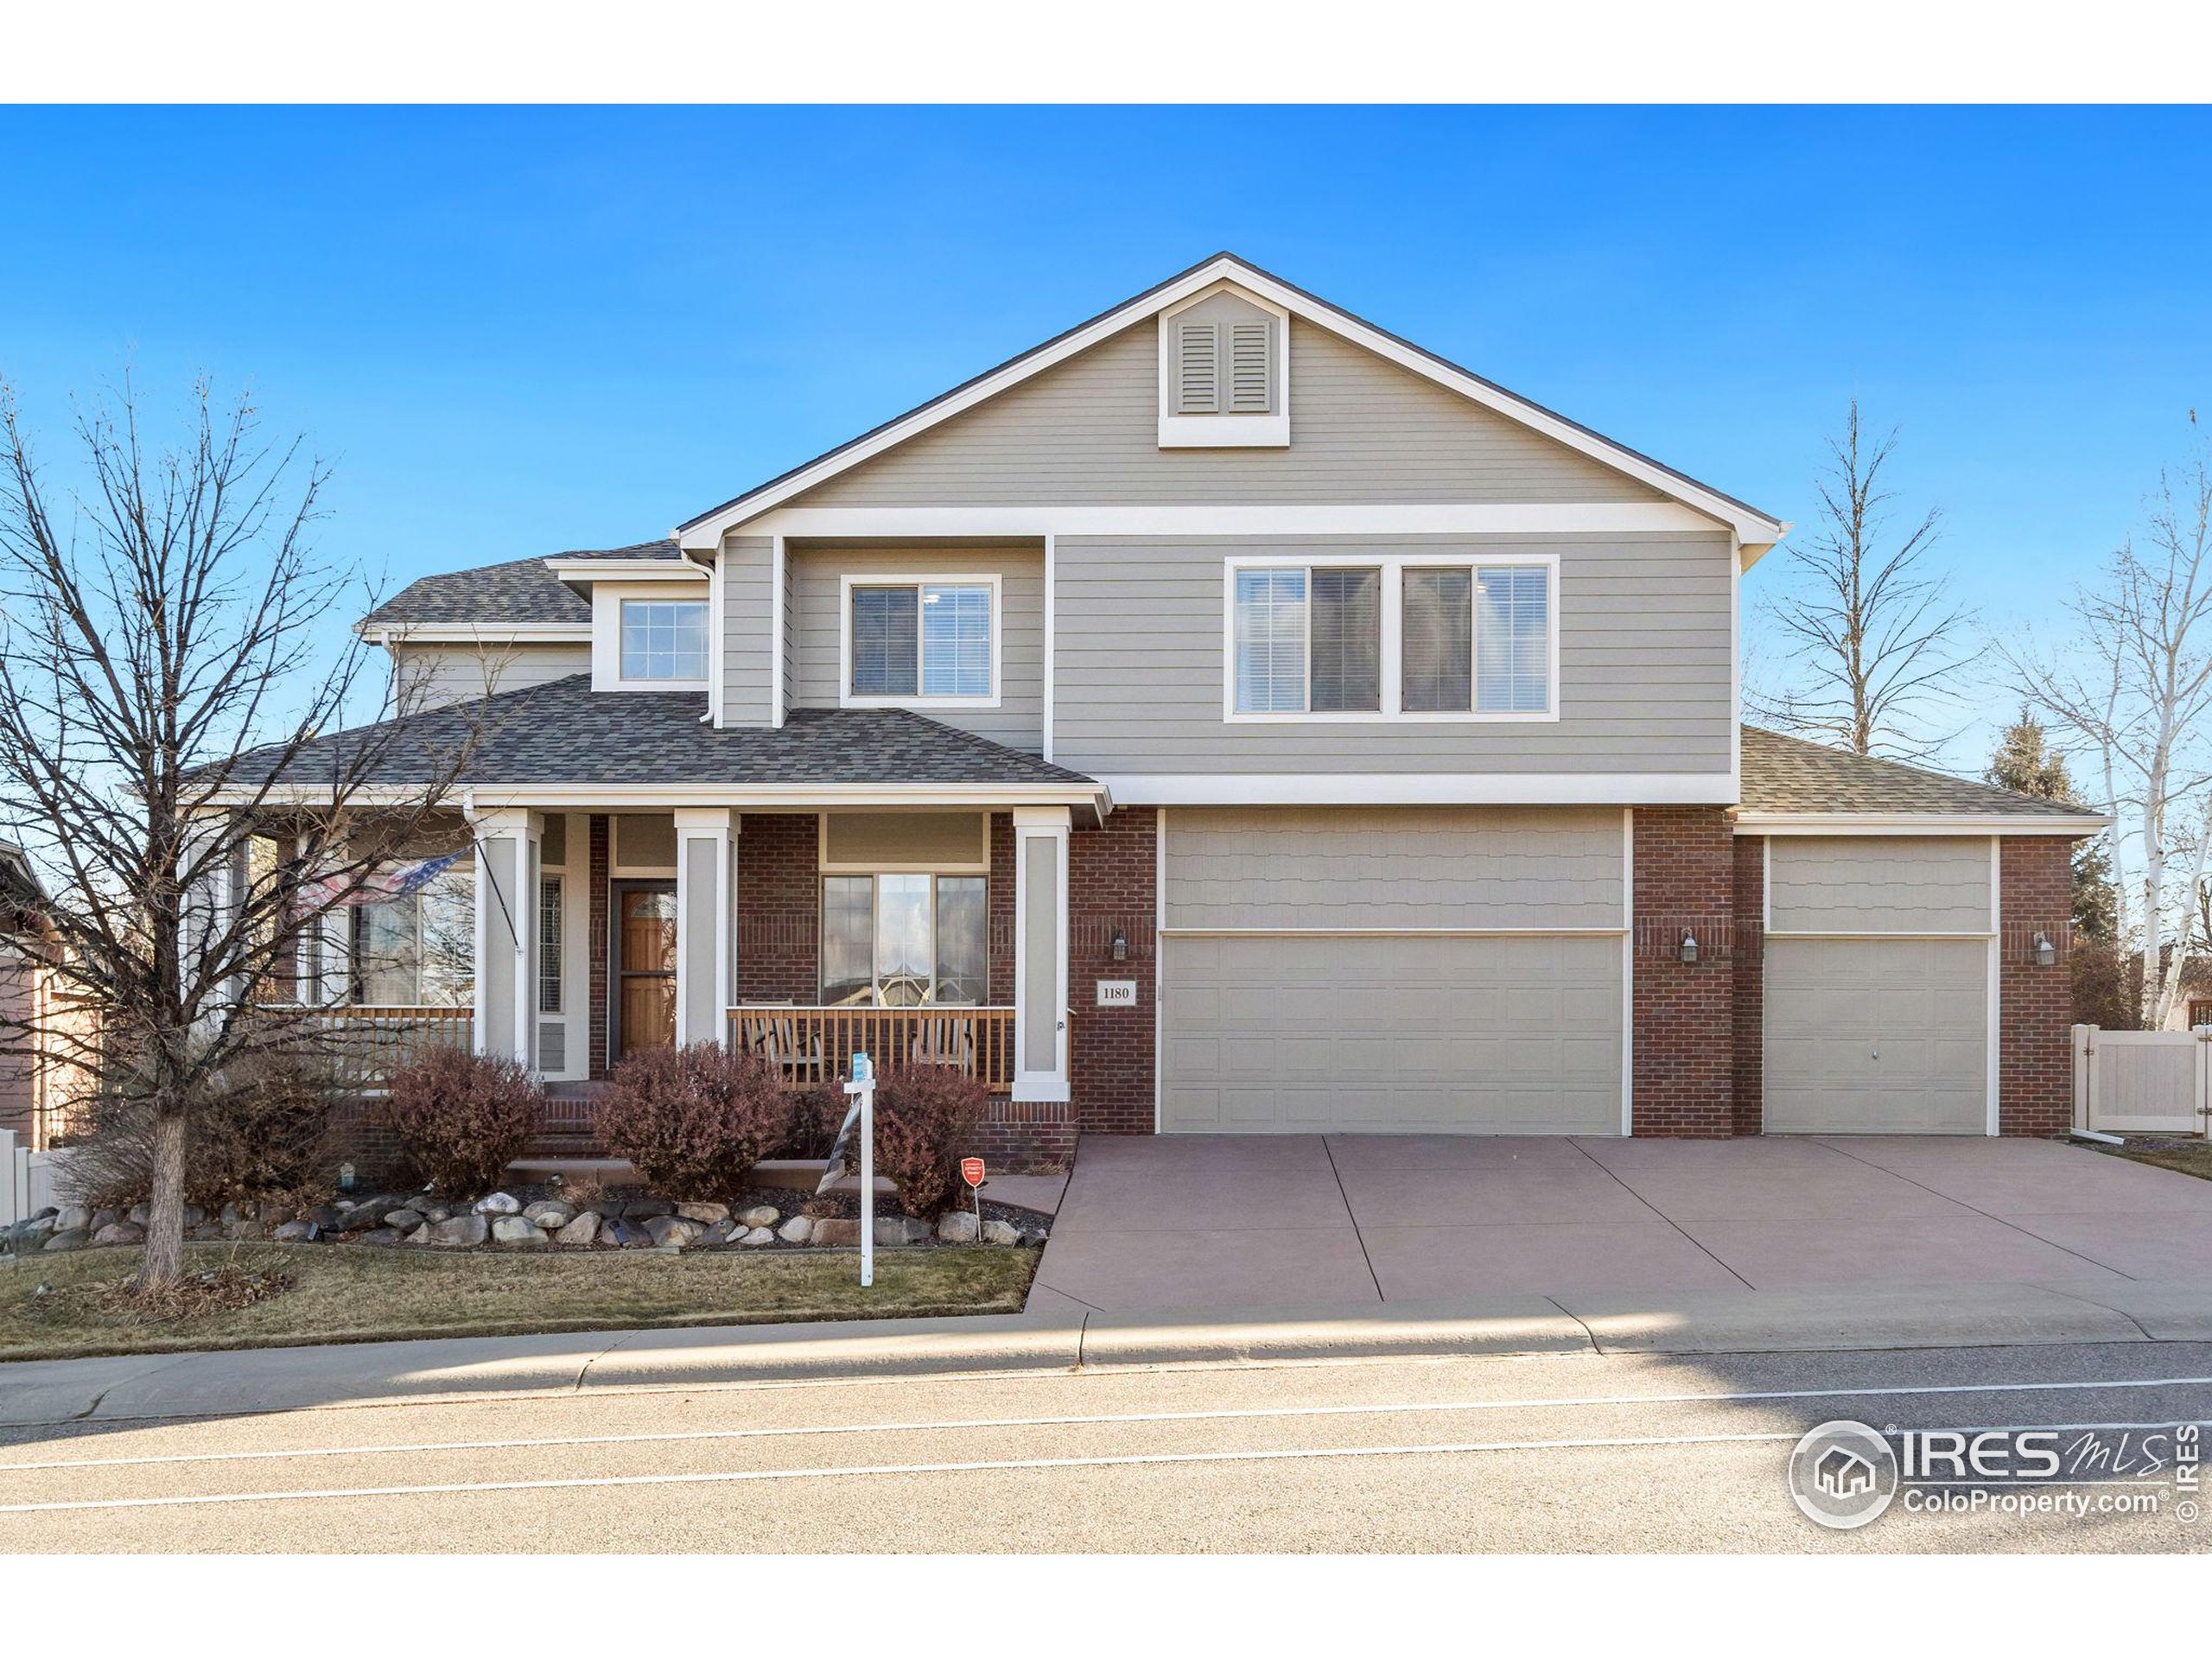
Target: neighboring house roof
(520, 591)
(1755, 529)
(563, 733)
(1787, 778)
(22, 901)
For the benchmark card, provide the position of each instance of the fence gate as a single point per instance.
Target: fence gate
(2142, 1082)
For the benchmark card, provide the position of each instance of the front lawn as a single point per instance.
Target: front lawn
(2189, 1157)
(352, 1293)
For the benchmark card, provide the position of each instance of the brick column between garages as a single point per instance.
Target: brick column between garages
(1748, 1069)
(1684, 1032)
(2035, 1061)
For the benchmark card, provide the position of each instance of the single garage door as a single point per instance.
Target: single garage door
(1291, 1033)
(1877, 1036)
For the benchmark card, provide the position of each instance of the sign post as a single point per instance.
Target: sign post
(863, 1085)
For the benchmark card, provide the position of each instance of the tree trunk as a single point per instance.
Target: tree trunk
(164, 1263)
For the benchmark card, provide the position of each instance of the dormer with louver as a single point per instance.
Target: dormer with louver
(1224, 372)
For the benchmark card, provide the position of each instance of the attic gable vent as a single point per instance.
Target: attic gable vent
(1248, 368)
(1198, 370)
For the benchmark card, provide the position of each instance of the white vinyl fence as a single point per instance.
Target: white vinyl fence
(2142, 1082)
(28, 1179)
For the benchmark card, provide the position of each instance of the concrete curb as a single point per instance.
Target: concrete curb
(1715, 1322)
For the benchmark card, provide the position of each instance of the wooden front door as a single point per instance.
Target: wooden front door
(644, 966)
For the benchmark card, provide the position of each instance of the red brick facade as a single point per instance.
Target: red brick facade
(1684, 1012)
(1113, 874)
(601, 938)
(1747, 1078)
(778, 907)
(2035, 1062)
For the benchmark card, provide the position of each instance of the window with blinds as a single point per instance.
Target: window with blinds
(549, 947)
(1472, 639)
(921, 640)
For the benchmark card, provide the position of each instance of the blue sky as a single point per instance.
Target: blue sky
(515, 331)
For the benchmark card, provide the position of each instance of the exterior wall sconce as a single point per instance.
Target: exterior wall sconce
(1121, 945)
(2046, 952)
(1689, 947)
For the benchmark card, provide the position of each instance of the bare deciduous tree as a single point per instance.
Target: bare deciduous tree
(2131, 687)
(1873, 642)
(166, 665)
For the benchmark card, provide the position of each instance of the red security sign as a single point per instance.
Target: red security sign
(971, 1170)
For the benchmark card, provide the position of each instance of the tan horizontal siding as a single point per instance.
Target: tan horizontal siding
(1879, 884)
(431, 676)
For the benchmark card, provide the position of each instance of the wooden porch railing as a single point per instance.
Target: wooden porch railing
(367, 1045)
(814, 1045)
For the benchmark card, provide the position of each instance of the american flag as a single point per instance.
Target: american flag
(394, 881)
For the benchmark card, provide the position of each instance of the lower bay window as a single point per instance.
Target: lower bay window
(417, 949)
(1415, 636)
(905, 939)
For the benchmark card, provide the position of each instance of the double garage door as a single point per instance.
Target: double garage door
(1445, 969)
(1461, 970)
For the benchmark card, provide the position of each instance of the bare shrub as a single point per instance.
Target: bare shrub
(268, 1132)
(693, 1120)
(925, 1120)
(463, 1118)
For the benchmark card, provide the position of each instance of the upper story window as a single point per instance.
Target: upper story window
(665, 639)
(1401, 638)
(930, 640)
(1224, 372)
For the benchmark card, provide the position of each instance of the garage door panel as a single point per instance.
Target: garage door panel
(1391, 1033)
(1877, 1036)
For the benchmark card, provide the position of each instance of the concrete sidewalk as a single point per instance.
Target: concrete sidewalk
(1698, 1322)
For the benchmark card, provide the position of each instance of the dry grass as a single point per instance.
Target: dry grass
(352, 1293)
(2189, 1157)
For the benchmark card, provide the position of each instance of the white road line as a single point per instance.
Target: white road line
(1228, 1414)
(723, 1477)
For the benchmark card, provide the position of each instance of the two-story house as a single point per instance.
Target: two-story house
(1226, 716)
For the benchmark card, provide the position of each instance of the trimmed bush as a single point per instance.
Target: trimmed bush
(926, 1122)
(268, 1132)
(463, 1118)
(693, 1120)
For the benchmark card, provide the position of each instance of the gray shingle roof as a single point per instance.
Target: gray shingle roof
(665, 548)
(563, 732)
(521, 590)
(1787, 774)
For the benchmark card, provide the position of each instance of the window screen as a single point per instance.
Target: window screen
(1347, 639)
(955, 642)
(1439, 641)
(548, 945)
(886, 661)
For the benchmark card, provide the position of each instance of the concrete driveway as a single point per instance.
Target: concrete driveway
(1227, 1221)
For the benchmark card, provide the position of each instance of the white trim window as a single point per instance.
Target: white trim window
(931, 640)
(549, 924)
(1400, 637)
(665, 639)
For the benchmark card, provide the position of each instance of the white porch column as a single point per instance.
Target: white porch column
(1040, 953)
(706, 871)
(506, 932)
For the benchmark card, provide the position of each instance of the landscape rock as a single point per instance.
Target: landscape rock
(74, 1219)
(705, 1214)
(233, 1213)
(120, 1232)
(193, 1216)
(516, 1230)
(549, 1213)
(31, 1235)
(672, 1232)
(379, 1236)
(1002, 1232)
(138, 1212)
(757, 1237)
(207, 1230)
(103, 1220)
(498, 1203)
(246, 1230)
(581, 1230)
(297, 1232)
(404, 1218)
(760, 1215)
(647, 1209)
(360, 1218)
(433, 1211)
(460, 1232)
(900, 1230)
(834, 1229)
(69, 1238)
(327, 1216)
(957, 1227)
(632, 1236)
(795, 1231)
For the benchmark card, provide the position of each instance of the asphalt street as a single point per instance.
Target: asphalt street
(1558, 1452)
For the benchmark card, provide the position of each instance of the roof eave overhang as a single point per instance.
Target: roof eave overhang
(680, 569)
(1083, 793)
(1755, 531)
(1751, 822)
(473, 634)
